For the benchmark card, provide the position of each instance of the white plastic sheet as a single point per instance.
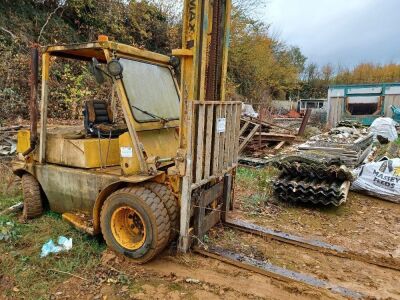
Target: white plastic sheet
(248, 110)
(63, 244)
(379, 179)
(385, 127)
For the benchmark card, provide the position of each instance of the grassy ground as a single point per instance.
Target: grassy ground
(25, 273)
(80, 273)
(256, 187)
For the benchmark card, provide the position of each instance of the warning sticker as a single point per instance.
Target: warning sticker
(221, 125)
(126, 152)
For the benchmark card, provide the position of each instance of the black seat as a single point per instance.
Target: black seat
(98, 120)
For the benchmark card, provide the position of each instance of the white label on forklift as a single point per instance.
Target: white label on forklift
(126, 152)
(221, 125)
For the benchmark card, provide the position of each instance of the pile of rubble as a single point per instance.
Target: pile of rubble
(257, 136)
(8, 141)
(320, 170)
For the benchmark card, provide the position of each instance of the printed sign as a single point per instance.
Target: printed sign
(221, 125)
(126, 152)
(380, 179)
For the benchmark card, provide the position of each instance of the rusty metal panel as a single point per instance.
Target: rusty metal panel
(71, 189)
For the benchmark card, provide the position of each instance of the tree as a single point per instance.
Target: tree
(260, 67)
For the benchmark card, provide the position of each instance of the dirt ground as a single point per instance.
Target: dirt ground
(90, 271)
(363, 224)
(183, 277)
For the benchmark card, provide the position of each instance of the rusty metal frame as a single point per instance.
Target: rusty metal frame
(104, 52)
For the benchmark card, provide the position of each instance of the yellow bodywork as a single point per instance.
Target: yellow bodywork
(23, 140)
(88, 153)
(162, 143)
(83, 153)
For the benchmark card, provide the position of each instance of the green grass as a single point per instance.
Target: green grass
(7, 201)
(259, 183)
(31, 274)
(256, 178)
(20, 258)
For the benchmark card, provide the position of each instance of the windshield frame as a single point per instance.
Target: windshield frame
(153, 120)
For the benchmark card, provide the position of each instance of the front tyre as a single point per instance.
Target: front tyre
(33, 205)
(134, 222)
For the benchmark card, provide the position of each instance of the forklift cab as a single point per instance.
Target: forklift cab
(149, 99)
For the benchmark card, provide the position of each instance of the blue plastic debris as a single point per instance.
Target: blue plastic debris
(64, 244)
(396, 113)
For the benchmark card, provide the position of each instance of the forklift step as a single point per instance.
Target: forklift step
(80, 221)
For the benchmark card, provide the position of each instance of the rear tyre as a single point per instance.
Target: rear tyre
(134, 222)
(170, 203)
(33, 205)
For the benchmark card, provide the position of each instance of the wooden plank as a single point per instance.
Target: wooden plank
(227, 192)
(205, 219)
(228, 133)
(218, 112)
(200, 213)
(213, 193)
(222, 143)
(279, 146)
(266, 124)
(238, 115)
(247, 139)
(209, 140)
(200, 142)
(277, 137)
(211, 219)
(305, 122)
(233, 135)
(244, 127)
(205, 181)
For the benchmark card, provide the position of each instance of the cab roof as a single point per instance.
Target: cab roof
(86, 51)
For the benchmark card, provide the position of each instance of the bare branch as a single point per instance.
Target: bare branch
(47, 21)
(9, 32)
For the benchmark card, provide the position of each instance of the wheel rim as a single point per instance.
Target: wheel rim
(128, 228)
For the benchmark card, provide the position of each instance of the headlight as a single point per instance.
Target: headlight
(114, 67)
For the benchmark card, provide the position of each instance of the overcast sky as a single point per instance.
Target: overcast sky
(344, 32)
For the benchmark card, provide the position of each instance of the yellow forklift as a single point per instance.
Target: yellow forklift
(165, 171)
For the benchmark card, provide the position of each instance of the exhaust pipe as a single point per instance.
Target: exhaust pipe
(33, 110)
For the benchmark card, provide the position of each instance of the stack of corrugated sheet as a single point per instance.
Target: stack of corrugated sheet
(349, 145)
(319, 171)
(312, 179)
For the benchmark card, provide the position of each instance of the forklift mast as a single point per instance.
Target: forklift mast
(209, 129)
